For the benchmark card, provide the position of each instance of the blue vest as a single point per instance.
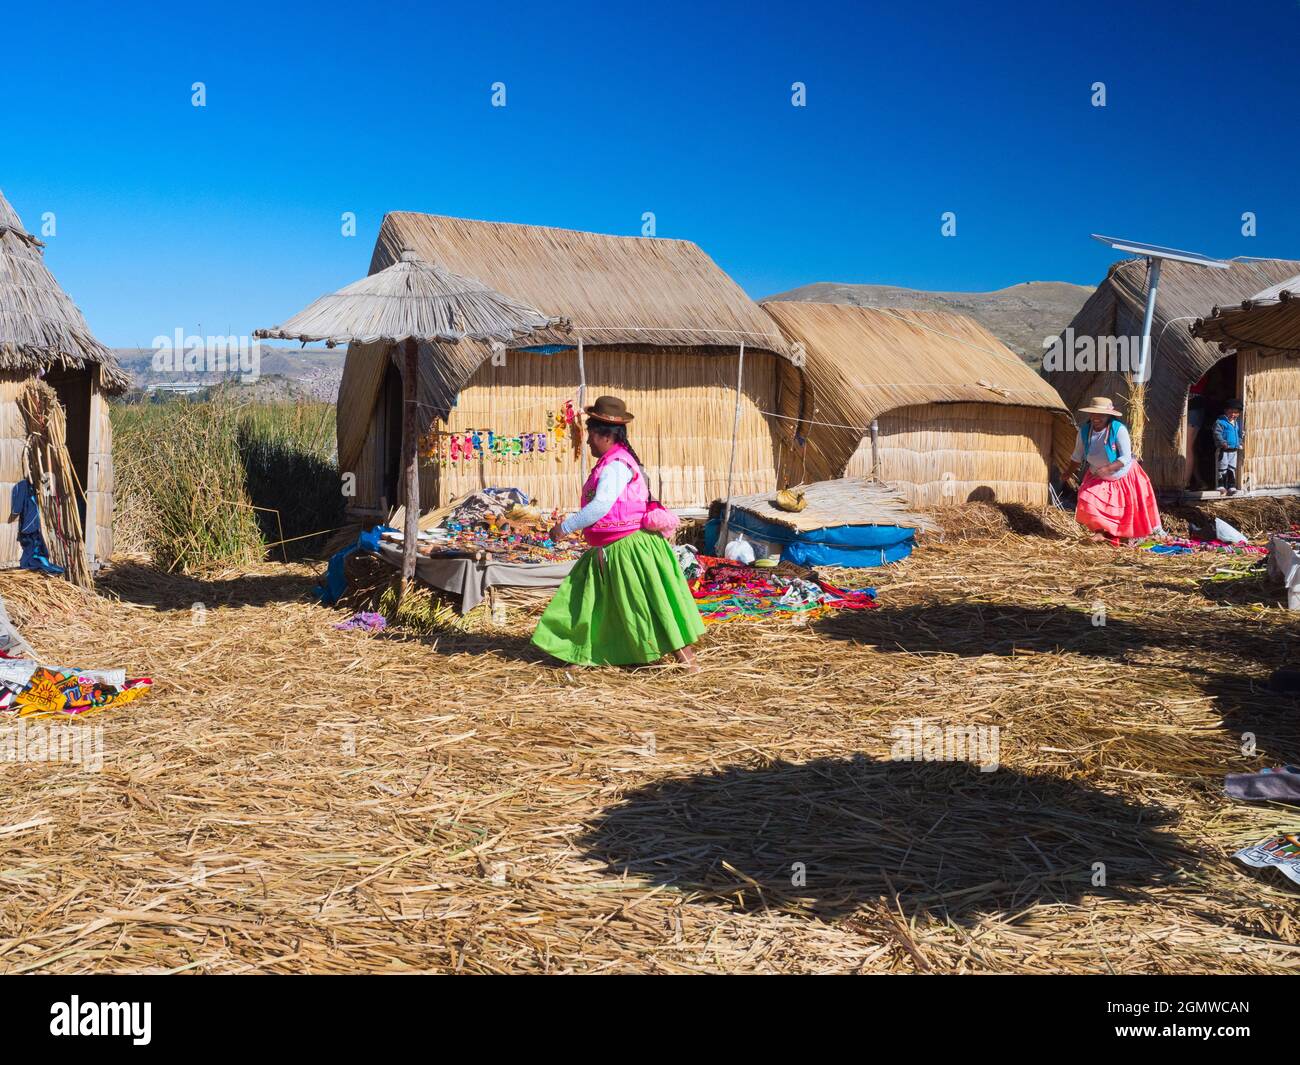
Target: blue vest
(1228, 432)
(1112, 439)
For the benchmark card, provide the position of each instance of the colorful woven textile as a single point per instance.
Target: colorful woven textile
(725, 591)
(28, 689)
(1174, 545)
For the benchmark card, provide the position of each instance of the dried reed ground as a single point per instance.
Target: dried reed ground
(293, 798)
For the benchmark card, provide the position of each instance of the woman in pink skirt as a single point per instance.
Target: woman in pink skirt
(1116, 500)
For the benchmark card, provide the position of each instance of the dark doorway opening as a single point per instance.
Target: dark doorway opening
(1205, 402)
(392, 436)
(73, 388)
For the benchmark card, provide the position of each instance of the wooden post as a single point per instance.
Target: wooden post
(721, 545)
(582, 405)
(875, 450)
(410, 460)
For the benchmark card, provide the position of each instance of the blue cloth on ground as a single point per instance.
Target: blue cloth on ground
(331, 590)
(856, 546)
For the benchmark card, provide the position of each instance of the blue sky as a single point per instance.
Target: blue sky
(228, 216)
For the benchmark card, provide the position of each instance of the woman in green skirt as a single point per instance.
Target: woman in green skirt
(626, 601)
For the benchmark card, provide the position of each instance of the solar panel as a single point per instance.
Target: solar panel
(1155, 251)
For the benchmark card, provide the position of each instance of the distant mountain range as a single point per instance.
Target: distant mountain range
(284, 373)
(1021, 316)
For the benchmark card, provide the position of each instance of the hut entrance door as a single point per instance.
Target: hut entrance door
(391, 437)
(73, 387)
(1221, 383)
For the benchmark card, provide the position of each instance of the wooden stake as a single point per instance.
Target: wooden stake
(721, 545)
(410, 461)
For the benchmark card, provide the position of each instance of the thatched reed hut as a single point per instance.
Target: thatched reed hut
(1090, 360)
(652, 320)
(958, 416)
(43, 334)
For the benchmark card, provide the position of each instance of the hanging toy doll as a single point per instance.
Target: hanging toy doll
(476, 443)
(558, 426)
(574, 422)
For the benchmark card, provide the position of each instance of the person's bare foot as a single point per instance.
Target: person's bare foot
(686, 658)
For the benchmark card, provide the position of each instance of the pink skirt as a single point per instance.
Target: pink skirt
(1125, 508)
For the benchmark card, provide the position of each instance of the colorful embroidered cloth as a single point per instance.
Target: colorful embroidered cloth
(29, 689)
(1174, 545)
(1281, 852)
(725, 590)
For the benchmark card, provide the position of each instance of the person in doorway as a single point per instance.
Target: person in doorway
(626, 601)
(1229, 438)
(1116, 500)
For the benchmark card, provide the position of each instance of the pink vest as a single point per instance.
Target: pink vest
(625, 517)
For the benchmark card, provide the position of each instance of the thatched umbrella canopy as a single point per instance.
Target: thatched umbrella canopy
(410, 302)
(1269, 321)
(40, 327)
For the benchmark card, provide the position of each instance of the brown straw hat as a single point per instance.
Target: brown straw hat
(1100, 405)
(609, 409)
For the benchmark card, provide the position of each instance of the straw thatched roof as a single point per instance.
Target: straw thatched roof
(1179, 359)
(615, 290)
(413, 299)
(1268, 322)
(40, 327)
(862, 362)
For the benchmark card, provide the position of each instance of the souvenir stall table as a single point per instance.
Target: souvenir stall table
(491, 539)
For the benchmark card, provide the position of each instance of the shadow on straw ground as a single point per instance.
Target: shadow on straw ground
(831, 836)
(510, 646)
(1267, 722)
(146, 585)
(975, 629)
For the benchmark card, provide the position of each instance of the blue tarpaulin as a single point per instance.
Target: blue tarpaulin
(853, 546)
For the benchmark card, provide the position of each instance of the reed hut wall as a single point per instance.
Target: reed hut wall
(683, 404)
(960, 416)
(661, 327)
(939, 454)
(1271, 395)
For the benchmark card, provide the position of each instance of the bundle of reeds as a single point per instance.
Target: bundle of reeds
(50, 470)
(1137, 415)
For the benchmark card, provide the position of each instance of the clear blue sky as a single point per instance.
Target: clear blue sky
(229, 216)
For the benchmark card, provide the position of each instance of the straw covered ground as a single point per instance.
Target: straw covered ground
(294, 798)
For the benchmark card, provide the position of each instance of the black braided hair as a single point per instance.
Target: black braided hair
(618, 433)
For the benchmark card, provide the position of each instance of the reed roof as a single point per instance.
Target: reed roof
(40, 326)
(862, 362)
(1268, 322)
(614, 290)
(414, 299)
(1179, 357)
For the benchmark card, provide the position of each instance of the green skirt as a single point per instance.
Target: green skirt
(632, 606)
